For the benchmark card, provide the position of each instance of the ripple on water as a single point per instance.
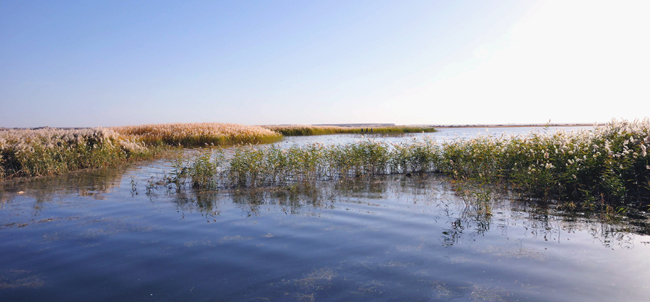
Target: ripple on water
(388, 238)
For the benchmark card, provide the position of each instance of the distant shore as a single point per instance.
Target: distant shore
(466, 125)
(515, 125)
(375, 125)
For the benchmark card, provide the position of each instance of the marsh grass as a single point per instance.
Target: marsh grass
(55, 151)
(606, 164)
(304, 130)
(50, 151)
(199, 134)
(258, 167)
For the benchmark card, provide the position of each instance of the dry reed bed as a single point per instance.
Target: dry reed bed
(303, 130)
(54, 151)
(609, 163)
(199, 134)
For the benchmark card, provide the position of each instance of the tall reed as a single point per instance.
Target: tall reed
(199, 134)
(608, 163)
(54, 151)
(254, 167)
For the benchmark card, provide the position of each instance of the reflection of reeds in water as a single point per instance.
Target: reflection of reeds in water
(93, 183)
(301, 130)
(608, 164)
(199, 134)
(470, 210)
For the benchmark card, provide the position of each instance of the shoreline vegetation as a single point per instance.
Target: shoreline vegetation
(303, 130)
(199, 134)
(53, 151)
(608, 164)
(41, 152)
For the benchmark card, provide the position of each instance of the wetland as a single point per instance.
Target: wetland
(119, 233)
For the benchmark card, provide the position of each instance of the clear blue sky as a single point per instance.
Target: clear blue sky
(109, 63)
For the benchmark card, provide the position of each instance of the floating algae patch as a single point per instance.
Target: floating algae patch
(514, 252)
(367, 288)
(233, 238)
(20, 279)
(492, 294)
(441, 290)
(319, 279)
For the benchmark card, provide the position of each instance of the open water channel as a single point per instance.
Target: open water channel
(101, 236)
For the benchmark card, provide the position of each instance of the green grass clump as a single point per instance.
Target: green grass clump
(255, 167)
(305, 130)
(607, 164)
(55, 151)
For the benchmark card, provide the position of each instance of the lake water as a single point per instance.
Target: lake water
(442, 135)
(101, 236)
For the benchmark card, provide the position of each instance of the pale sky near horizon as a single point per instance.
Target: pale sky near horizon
(111, 63)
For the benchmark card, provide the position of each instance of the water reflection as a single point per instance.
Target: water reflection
(442, 135)
(91, 183)
(381, 238)
(469, 211)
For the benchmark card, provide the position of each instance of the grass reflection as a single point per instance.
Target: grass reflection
(471, 210)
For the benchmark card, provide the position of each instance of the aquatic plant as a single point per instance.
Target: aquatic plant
(199, 134)
(251, 166)
(609, 163)
(53, 151)
(302, 130)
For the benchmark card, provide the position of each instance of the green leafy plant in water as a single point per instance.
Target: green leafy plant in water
(609, 163)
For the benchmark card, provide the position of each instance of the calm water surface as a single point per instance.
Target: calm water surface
(101, 236)
(443, 135)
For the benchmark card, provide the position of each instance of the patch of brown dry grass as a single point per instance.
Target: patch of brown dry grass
(199, 134)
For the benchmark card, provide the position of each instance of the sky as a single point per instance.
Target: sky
(113, 63)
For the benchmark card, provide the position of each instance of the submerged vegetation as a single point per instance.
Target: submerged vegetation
(607, 164)
(54, 151)
(303, 130)
(199, 134)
